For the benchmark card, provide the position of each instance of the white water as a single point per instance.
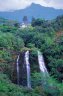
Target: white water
(42, 66)
(28, 69)
(18, 70)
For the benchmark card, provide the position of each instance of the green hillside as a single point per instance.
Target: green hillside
(43, 35)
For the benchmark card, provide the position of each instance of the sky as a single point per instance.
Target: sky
(11, 5)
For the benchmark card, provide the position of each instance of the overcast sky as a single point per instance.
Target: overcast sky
(6, 5)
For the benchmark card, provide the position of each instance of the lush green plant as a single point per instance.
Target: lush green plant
(43, 35)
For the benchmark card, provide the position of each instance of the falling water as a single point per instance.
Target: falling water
(28, 69)
(44, 72)
(18, 70)
(42, 66)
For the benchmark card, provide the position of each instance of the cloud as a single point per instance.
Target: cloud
(58, 4)
(6, 5)
(13, 4)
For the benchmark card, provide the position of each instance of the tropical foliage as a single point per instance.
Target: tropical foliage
(43, 35)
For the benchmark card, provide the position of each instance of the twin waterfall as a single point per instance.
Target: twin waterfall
(28, 69)
(18, 70)
(42, 67)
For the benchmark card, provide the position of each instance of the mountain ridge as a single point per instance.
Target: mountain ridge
(34, 10)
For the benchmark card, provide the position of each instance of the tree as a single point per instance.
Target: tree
(25, 19)
(17, 25)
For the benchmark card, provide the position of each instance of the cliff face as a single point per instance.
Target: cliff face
(22, 70)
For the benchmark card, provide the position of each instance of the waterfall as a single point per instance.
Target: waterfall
(18, 70)
(44, 72)
(28, 69)
(42, 66)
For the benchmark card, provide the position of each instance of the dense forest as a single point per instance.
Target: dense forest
(43, 35)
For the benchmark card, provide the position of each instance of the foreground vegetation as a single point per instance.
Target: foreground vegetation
(46, 36)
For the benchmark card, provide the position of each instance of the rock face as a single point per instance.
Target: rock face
(22, 70)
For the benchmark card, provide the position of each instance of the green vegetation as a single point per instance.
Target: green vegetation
(43, 35)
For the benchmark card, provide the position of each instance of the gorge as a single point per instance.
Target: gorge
(41, 63)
